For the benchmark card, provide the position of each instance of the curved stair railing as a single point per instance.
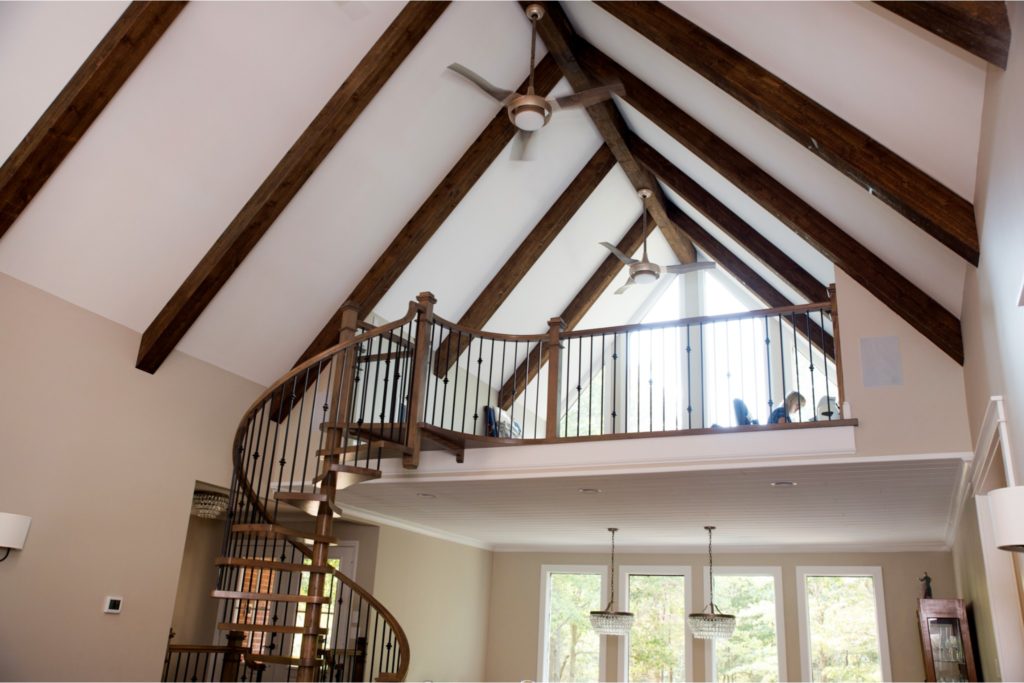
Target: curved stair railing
(324, 426)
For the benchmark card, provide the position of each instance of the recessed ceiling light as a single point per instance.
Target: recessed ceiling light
(589, 491)
(426, 495)
(784, 484)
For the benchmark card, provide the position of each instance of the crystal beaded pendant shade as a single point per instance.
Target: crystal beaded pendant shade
(209, 504)
(711, 623)
(608, 622)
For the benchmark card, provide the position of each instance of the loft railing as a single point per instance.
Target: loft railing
(697, 373)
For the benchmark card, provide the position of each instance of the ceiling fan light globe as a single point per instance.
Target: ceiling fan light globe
(528, 119)
(644, 277)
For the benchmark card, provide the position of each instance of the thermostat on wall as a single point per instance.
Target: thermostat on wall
(112, 604)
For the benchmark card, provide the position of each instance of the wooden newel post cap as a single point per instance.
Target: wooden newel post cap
(424, 297)
(556, 323)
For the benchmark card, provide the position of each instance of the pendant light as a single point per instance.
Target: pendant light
(711, 623)
(608, 622)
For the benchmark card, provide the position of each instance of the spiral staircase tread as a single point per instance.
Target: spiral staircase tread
(268, 628)
(270, 597)
(279, 531)
(257, 563)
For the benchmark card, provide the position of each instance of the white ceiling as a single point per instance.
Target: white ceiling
(230, 86)
(880, 505)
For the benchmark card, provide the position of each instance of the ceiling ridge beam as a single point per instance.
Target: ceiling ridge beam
(560, 38)
(525, 256)
(981, 28)
(883, 281)
(386, 270)
(285, 181)
(759, 246)
(81, 100)
(578, 307)
(911, 192)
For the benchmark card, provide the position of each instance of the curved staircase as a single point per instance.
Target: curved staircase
(323, 427)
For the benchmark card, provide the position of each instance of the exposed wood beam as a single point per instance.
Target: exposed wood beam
(285, 181)
(917, 196)
(891, 288)
(67, 118)
(560, 39)
(577, 308)
(749, 278)
(433, 212)
(750, 239)
(531, 248)
(981, 28)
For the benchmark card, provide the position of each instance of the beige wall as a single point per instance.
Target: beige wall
(104, 459)
(992, 321)
(195, 611)
(438, 591)
(927, 412)
(513, 636)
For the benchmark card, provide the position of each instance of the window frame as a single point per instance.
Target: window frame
(627, 570)
(780, 614)
(875, 573)
(546, 571)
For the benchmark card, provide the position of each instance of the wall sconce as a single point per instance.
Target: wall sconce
(13, 531)
(1007, 509)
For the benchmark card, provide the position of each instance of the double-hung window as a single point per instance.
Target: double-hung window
(569, 649)
(842, 624)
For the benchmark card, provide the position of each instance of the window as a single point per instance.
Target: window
(569, 648)
(842, 624)
(757, 649)
(657, 648)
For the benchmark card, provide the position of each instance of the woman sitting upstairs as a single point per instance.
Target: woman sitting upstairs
(794, 402)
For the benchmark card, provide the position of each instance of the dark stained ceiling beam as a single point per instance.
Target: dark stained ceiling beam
(763, 249)
(525, 256)
(560, 39)
(981, 28)
(432, 213)
(585, 298)
(67, 118)
(883, 281)
(914, 194)
(285, 181)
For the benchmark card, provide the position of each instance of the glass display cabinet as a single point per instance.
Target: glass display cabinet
(946, 641)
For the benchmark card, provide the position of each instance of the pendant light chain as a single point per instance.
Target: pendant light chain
(612, 601)
(711, 570)
(606, 622)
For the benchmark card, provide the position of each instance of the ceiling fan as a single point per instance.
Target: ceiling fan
(643, 272)
(530, 112)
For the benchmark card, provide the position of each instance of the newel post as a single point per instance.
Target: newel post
(418, 391)
(232, 656)
(556, 326)
(835, 345)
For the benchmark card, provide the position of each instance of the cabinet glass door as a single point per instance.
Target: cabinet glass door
(947, 649)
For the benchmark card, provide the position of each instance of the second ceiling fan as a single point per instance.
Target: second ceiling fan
(643, 272)
(530, 112)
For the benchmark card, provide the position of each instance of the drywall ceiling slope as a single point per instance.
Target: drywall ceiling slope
(928, 264)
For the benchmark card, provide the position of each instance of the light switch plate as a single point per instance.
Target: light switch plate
(112, 604)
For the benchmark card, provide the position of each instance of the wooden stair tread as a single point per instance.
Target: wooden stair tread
(288, 661)
(391, 449)
(269, 628)
(354, 475)
(276, 530)
(256, 563)
(270, 597)
(308, 502)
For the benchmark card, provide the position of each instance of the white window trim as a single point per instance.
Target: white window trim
(546, 571)
(655, 570)
(780, 614)
(801, 595)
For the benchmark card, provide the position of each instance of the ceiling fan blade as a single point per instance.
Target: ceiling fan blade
(622, 257)
(623, 288)
(683, 268)
(586, 98)
(479, 81)
(520, 144)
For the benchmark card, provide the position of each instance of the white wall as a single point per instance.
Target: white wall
(104, 459)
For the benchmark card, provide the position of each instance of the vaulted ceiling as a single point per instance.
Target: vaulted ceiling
(221, 177)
